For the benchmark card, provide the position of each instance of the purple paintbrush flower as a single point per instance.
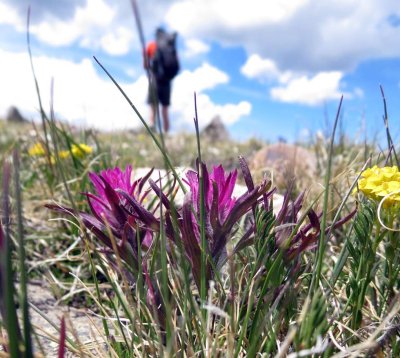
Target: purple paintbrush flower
(116, 179)
(112, 211)
(222, 194)
(222, 211)
(307, 236)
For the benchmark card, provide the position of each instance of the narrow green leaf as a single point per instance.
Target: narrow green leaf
(21, 255)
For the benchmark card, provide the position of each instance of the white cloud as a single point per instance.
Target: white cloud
(263, 69)
(194, 14)
(9, 16)
(310, 91)
(297, 87)
(205, 77)
(82, 96)
(42, 8)
(184, 112)
(57, 33)
(202, 78)
(303, 48)
(258, 68)
(87, 23)
(358, 92)
(118, 42)
(194, 47)
(231, 113)
(298, 36)
(17, 86)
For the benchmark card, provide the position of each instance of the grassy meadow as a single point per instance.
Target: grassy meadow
(211, 274)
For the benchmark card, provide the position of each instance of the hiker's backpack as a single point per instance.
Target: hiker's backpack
(166, 62)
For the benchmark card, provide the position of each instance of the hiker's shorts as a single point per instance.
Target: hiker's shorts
(162, 93)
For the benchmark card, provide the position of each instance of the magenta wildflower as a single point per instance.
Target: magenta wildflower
(117, 179)
(117, 214)
(306, 238)
(224, 185)
(222, 212)
(112, 210)
(106, 204)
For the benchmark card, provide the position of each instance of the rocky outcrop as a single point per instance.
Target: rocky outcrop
(216, 130)
(284, 162)
(14, 115)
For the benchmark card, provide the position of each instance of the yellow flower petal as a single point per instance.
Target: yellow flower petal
(81, 150)
(36, 150)
(63, 154)
(376, 183)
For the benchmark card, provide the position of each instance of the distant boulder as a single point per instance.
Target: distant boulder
(285, 162)
(14, 115)
(216, 130)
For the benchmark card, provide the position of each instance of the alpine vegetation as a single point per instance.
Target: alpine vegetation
(217, 274)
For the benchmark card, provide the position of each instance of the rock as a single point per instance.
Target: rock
(216, 130)
(284, 161)
(14, 115)
(85, 323)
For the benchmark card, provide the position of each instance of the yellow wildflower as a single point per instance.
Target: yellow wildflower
(36, 150)
(63, 154)
(81, 150)
(376, 183)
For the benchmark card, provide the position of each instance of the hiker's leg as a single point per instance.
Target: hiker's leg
(165, 116)
(152, 101)
(164, 95)
(153, 115)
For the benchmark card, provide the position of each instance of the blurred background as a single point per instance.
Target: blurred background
(272, 70)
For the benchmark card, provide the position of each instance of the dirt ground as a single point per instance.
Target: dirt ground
(82, 325)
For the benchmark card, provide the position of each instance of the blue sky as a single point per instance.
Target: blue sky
(270, 69)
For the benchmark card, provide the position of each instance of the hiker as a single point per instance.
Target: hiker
(162, 62)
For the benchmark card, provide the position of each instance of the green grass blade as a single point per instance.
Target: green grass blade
(160, 147)
(57, 328)
(9, 310)
(203, 241)
(321, 246)
(21, 255)
(42, 112)
(344, 253)
(391, 147)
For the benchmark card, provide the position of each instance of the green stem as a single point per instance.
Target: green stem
(368, 263)
(321, 247)
(204, 248)
(21, 254)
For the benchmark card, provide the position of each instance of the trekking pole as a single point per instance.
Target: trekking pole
(139, 24)
(150, 78)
